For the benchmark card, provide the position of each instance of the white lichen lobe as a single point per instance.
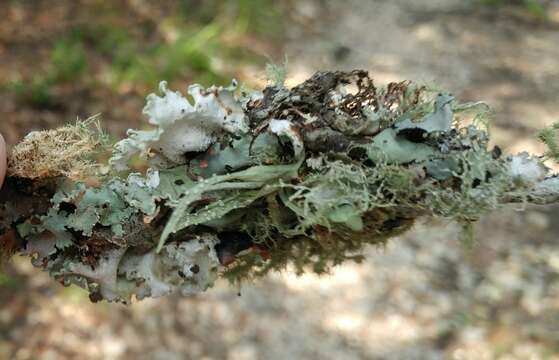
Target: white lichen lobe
(287, 128)
(182, 127)
(524, 167)
(189, 267)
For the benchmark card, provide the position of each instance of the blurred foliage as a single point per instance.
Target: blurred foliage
(203, 41)
(68, 60)
(6, 282)
(247, 16)
(67, 63)
(536, 8)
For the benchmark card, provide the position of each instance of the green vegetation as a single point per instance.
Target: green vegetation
(536, 8)
(7, 281)
(67, 63)
(202, 41)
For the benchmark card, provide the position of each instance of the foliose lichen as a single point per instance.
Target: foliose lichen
(240, 183)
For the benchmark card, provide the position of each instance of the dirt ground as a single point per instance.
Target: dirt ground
(424, 296)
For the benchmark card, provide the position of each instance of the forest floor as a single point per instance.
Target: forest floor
(423, 296)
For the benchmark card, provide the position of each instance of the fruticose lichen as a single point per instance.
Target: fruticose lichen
(243, 182)
(68, 151)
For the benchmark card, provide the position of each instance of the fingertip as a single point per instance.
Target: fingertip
(3, 159)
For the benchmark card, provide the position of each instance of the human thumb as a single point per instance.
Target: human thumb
(2, 160)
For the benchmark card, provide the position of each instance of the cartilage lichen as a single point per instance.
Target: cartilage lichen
(244, 182)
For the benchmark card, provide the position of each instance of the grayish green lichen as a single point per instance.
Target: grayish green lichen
(240, 183)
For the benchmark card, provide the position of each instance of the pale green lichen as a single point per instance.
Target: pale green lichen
(439, 119)
(548, 136)
(239, 188)
(388, 146)
(277, 73)
(244, 182)
(238, 154)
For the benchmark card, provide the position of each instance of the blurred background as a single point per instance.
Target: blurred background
(423, 296)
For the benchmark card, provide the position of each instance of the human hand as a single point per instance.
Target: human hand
(2, 160)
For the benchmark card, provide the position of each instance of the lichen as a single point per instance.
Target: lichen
(240, 183)
(182, 127)
(526, 169)
(189, 267)
(68, 151)
(548, 136)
